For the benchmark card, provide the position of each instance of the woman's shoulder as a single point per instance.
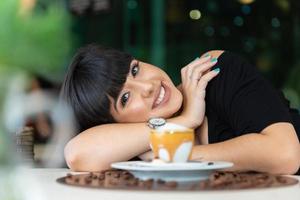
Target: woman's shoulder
(231, 62)
(228, 56)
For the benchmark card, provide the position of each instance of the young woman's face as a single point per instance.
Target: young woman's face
(147, 92)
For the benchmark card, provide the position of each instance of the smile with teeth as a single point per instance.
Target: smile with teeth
(161, 96)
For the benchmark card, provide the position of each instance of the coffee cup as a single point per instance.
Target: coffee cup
(172, 143)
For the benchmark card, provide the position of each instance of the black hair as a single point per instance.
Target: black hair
(95, 74)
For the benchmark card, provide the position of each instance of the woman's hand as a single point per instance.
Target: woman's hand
(195, 77)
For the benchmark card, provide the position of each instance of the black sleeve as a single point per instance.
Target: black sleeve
(243, 98)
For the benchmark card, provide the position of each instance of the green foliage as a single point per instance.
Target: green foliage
(38, 42)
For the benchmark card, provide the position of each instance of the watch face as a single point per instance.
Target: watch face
(156, 122)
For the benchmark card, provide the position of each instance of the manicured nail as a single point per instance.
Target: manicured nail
(217, 70)
(206, 55)
(213, 60)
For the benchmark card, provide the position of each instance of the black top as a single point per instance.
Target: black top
(240, 100)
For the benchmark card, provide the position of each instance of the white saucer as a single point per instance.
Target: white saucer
(189, 171)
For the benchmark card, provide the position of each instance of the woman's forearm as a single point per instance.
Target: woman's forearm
(96, 148)
(277, 152)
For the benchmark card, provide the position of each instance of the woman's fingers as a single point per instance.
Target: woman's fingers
(187, 70)
(199, 61)
(196, 63)
(203, 81)
(183, 75)
(192, 73)
(195, 77)
(202, 69)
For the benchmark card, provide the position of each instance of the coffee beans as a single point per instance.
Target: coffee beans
(119, 179)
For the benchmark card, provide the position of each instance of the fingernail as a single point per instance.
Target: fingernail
(213, 60)
(206, 55)
(217, 70)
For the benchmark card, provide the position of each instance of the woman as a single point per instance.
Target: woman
(237, 117)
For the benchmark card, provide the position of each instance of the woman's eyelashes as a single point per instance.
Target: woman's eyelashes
(124, 99)
(135, 69)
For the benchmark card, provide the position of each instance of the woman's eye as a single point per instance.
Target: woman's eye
(124, 99)
(135, 70)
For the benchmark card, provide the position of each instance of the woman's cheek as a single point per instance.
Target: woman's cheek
(138, 112)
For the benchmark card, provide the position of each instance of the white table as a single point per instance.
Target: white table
(50, 189)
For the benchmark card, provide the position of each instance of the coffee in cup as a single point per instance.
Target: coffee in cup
(172, 142)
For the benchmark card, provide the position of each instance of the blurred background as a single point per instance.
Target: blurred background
(39, 37)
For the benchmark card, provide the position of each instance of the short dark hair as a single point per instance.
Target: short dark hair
(95, 74)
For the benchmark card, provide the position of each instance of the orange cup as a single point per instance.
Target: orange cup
(172, 144)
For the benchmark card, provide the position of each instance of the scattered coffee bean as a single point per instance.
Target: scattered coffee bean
(148, 183)
(125, 172)
(88, 180)
(126, 177)
(281, 179)
(101, 177)
(116, 175)
(171, 184)
(132, 182)
(69, 175)
(95, 176)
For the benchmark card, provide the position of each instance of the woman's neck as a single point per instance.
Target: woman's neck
(179, 87)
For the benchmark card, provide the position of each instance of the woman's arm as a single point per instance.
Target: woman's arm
(96, 148)
(275, 150)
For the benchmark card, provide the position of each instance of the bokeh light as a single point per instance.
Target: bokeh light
(246, 1)
(238, 21)
(195, 14)
(275, 22)
(246, 9)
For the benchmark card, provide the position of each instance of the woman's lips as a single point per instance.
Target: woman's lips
(165, 98)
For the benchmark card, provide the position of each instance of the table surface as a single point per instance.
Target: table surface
(44, 182)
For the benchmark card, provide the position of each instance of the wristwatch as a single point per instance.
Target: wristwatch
(156, 122)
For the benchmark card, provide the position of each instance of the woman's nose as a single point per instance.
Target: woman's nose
(146, 88)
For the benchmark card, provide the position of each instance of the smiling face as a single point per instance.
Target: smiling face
(147, 92)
